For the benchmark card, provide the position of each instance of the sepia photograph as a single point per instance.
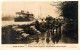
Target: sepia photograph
(39, 22)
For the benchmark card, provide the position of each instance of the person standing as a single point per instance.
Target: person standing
(57, 25)
(60, 29)
(53, 26)
(37, 25)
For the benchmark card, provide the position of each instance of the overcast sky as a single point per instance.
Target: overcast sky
(33, 7)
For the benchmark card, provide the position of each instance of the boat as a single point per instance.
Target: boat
(22, 16)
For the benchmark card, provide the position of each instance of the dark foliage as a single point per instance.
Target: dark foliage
(69, 9)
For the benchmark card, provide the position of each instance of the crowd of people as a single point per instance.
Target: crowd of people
(52, 27)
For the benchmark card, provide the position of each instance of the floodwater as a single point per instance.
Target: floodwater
(5, 23)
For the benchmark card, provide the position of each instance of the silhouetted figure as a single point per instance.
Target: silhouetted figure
(42, 30)
(48, 25)
(48, 36)
(60, 29)
(57, 25)
(53, 27)
(37, 39)
(37, 24)
(53, 39)
(57, 38)
(47, 40)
